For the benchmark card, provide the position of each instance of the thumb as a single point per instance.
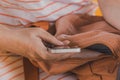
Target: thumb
(63, 37)
(70, 40)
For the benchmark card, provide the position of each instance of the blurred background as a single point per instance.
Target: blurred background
(98, 11)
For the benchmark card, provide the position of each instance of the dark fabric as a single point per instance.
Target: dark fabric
(100, 48)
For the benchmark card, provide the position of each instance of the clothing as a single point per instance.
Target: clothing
(90, 65)
(22, 12)
(17, 13)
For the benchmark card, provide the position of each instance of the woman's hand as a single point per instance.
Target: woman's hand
(66, 25)
(71, 24)
(28, 43)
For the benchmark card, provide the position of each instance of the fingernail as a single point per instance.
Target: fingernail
(66, 42)
(64, 35)
(61, 43)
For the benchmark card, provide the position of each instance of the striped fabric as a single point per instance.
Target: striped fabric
(11, 68)
(21, 12)
(65, 76)
(18, 13)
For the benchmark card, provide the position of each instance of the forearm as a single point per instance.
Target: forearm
(111, 12)
(5, 37)
(8, 40)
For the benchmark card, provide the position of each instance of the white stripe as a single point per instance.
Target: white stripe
(48, 10)
(37, 5)
(9, 20)
(18, 13)
(69, 76)
(9, 60)
(2, 58)
(60, 13)
(11, 66)
(30, 15)
(21, 77)
(11, 74)
(69, 1)
(43, 75)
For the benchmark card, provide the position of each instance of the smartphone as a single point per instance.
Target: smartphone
(64, 50)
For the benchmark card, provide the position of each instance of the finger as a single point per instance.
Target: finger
(50, 38)
(62, 30)
(41, 52)
(62, 37)
(59, 28)
(66, 42)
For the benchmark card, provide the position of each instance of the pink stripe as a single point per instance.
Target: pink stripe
(9, 2)
(61, 9)
(15, 61)
(65, 76)
(11, 70)
(10, 24)
(33, 1)
(17, 75)
(54, 11)
(42, 7)
(76, 10)
(25, 9)
(46, 77)
(7, 15)
(10, 7)
(4, 59)
(91, 9)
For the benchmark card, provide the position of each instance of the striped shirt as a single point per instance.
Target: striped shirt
(18, 13)
(22, 12)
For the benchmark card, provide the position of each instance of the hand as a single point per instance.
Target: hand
(66, 25)
(28, 43)
(91, 35)
(71, 24)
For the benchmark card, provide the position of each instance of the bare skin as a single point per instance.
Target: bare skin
(73, 23)
(28, 43)
(111, 11)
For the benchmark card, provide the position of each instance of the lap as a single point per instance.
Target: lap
(11, 68)
(64, 76)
